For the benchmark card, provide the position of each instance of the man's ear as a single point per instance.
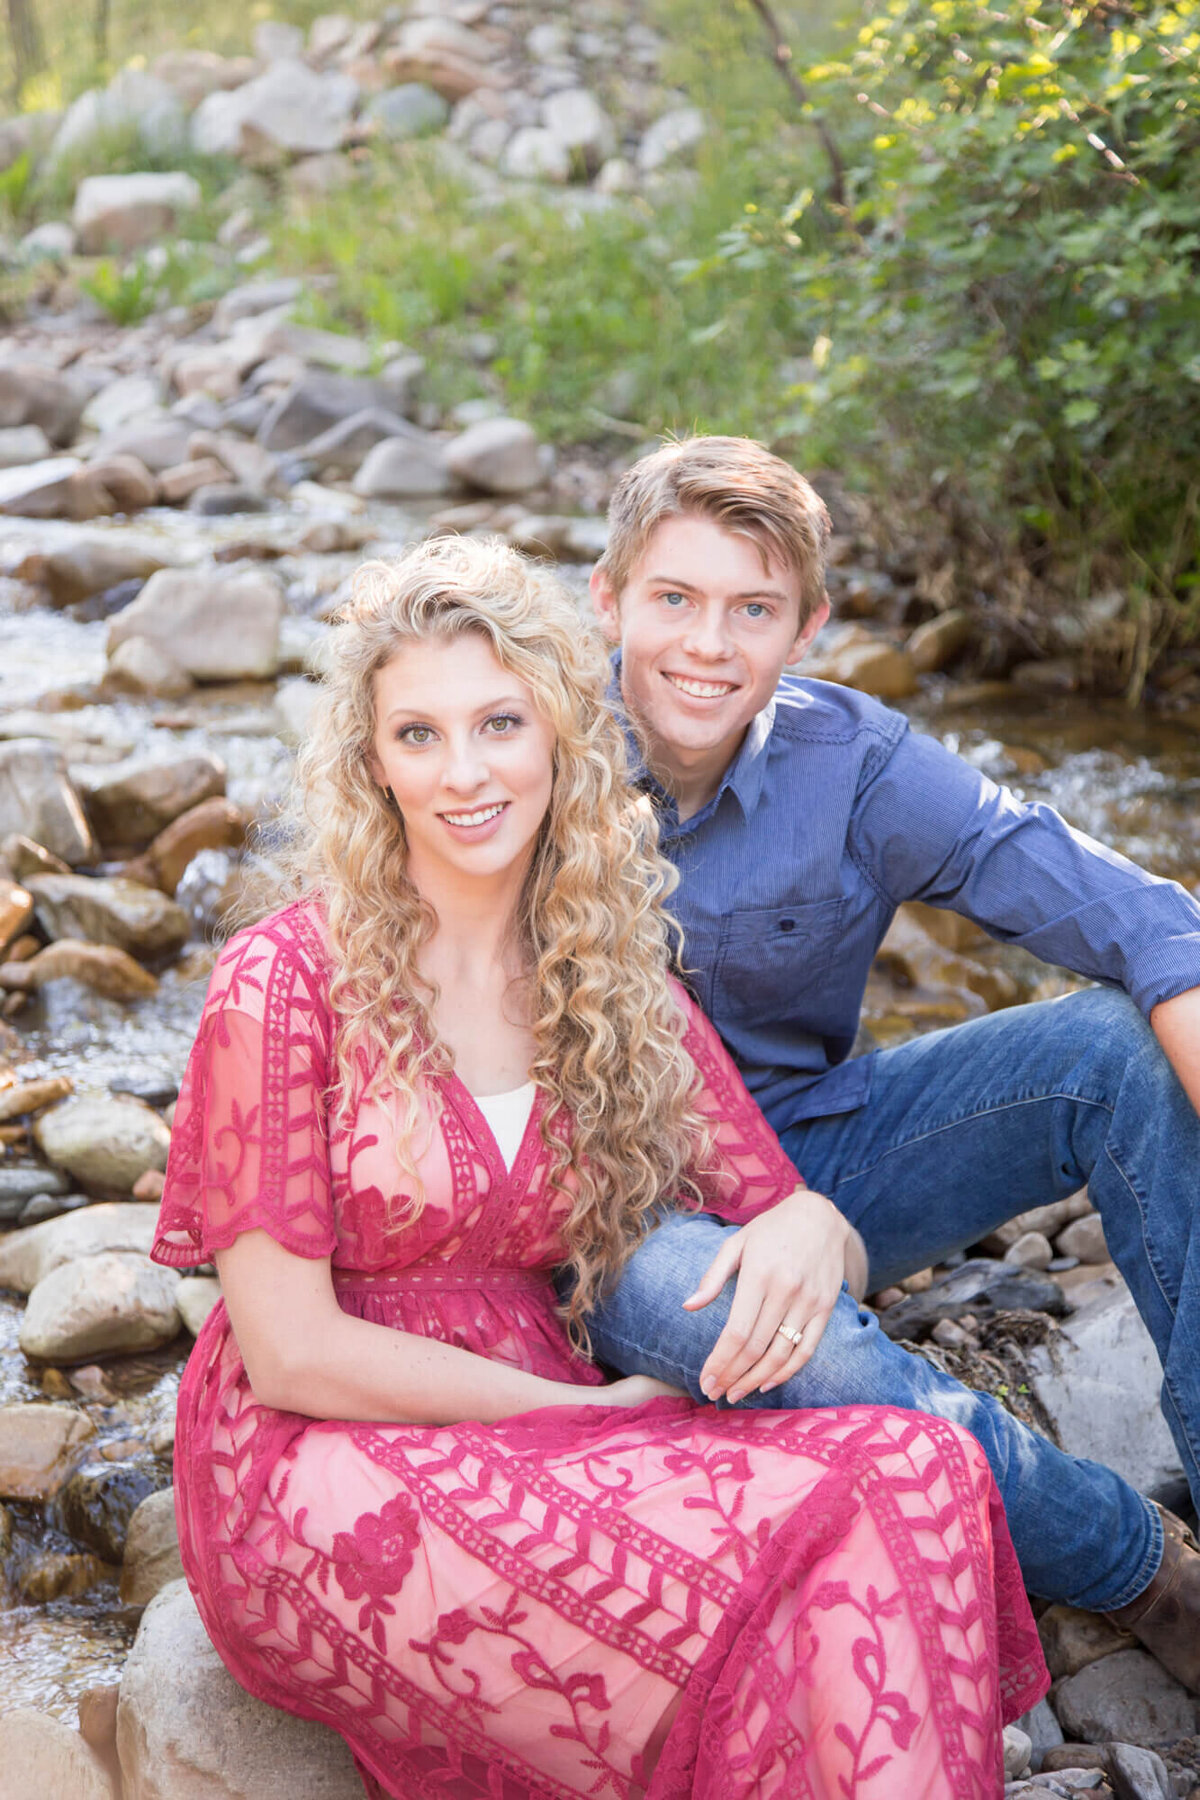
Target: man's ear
(806, 634)
(606, 602)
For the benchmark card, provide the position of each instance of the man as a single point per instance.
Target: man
(799, 819)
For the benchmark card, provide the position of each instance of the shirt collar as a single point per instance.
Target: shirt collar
(743, 778)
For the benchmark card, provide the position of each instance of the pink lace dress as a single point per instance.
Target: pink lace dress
(808, 1604)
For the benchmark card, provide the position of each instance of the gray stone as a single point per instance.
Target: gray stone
(274, 41)
(217, 627)
(981, 1287)
(90, 564)
(408, 111)
(21, 444)
(157, 440)
(499, 456)
(104, 1141)
(670, 137)
(1072, 1638)
(1098, 1379)
(59, 488)
(576, 118)
(131, 802)
(289, 108)
(151, 1549)
(109, 910)
(38, 801)
(1030, 1251)
(314, 403)
(341, 449)
(37, 1447)
(33, 394)
(137, 666)
(252, 299)
(54, 241)
(107, 1305)
(197, 1296)
(403, 468)
(1043, 1731)
(132, 99)
(1018, 1750)
(535, 154)
(1127, 1698)
(327, 35)
(42, 1756)
(126, 212)
(1137, 1774)
(29, 1255)
(1084, 1238)
(183, 1723)
(117, 402)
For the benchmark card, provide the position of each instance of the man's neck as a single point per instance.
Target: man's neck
(691, 778)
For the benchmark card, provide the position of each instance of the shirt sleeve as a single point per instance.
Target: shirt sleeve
(929, 827)
(249, 1148)
(747, 1171)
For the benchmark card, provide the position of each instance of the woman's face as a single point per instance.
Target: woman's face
(466, 754)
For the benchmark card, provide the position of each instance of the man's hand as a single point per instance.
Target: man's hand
(790, 1265)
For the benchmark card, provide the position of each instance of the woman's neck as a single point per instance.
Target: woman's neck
(474, 938)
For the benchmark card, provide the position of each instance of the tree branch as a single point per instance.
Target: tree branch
(783, 62)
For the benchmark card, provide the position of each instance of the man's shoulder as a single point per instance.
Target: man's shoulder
(820, 712)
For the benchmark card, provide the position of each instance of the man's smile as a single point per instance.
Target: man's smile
(701, 690)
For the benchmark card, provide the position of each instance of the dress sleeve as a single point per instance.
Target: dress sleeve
(249, 1148)
(746, 1171)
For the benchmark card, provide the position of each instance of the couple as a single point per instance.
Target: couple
(458, 1066)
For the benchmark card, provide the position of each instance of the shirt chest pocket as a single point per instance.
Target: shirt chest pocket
(769, 956)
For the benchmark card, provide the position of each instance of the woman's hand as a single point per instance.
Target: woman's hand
(790, 1264)
(630, 1390)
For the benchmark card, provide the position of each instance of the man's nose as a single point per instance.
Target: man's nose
(708, 634)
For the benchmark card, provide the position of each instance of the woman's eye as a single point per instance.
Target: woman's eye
(503, 724)
(414, 734)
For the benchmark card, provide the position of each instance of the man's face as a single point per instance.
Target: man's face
(705, 632)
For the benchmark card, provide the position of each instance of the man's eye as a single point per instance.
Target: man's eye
(756, 610)
(674, 600)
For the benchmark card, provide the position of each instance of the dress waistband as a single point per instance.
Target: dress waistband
(448, 1275)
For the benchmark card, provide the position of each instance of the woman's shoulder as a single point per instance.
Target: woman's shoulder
(280, 959)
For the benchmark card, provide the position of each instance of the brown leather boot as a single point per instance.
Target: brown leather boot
(1166, 1616)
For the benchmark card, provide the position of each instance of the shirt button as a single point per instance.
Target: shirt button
(787, 924)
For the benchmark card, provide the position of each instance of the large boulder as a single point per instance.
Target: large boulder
(105, 1141)
(131, 802)
(33, 394)
(108, 1305)
(28, 1256)
(40, 1755)
(109, 910)
(216, 627)
(500, 456)
(187, 1731)
(126, 212)
(38, 1445)
(290, 108)
(1127, 1698)
(38, 801)
(151, 1549)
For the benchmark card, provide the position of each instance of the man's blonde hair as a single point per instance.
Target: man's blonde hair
(739, 485)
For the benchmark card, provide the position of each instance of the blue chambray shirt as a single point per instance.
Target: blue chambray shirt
(833, 812)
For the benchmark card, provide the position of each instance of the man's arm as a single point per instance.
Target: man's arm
(1176, 1025)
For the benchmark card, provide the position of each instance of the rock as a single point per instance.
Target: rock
(50, 1206)
(106, 1305)
(101, 967)
(500, 456)
(103, 1140)
(53, 241)
(1073, 1756)
(28, 1256)
(151, 1549)
(97, 1712)
(1048, 1219)
(1071, 1639)
(671, 136)
(183, 1723)
(226, 498)
(32, 393)
(109, 910)
(1127, 1697)
(535, 154)
(59, 1575)
(91, 564)
(411, 110)
(873, 667)
(341, 449)
(158, 442)
(1084, 1238)
(289, 108)
(37, 1446)
(981, 1287)
(276, 42)
(217, 627)
(16, 911)
(140, 667)
(30, 1096)
(576, 118)
(125, 212)
(252, 299)
(1098, 1381)
(194, 74)
(401, 468)
(19, 1184)
(149, 1186)
(133, 100)
(1018, 1752)
(39, 1755)
(61, 488)
(21, 444)
(1137, 1774)
(38, 801)
(1043, 1730)
(126, 480)
(296, 703)
(314, 403)
(130, 803)
(197, 1296)
(932, 645)
(1030, 1251)
(117, 402)
(215, 824)
(327, 35)
(98, 1501)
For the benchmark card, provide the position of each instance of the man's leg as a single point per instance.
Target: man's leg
(1081, 1533)
(968, 1126)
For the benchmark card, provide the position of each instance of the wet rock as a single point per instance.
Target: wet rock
(1098, 1380)
(215, 824)
(218, 627)
(290, 108)
(91, 564)
(980, 1287)
(314, 403)
(1126, 1698)
(22, 444)
(125, 212)
(151, 1549)
(109, 910)
(61, 488)
(341, 449)
(197, 1296)
(99, 1500)
(16, 911)
(106, 1305)
(138, 666)
(1137, 1774)
(670, 137)
(39, 1755)
(1030, 1251)
(38, 801)
(1071, 1639)
(932, 645)
(59, 1575)
(104, 1140)
(183, 1723)
(28, 1256)
(129, 803)
(32, 393)
(158, 442)
(501, 456)
(126, 480)
(37, 1446)
(403, 468)
(1084, 1238)
(101, 967)
(413, 109)
(29, 1096)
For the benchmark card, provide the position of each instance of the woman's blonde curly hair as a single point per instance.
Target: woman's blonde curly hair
(591, 921)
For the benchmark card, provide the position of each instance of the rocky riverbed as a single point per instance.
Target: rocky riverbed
(181, 505)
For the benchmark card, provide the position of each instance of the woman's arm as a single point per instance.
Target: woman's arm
(304, 1354)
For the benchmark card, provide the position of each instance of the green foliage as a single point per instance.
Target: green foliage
(15, 189)
(130, 291)
(1006, 308)
(126, 291)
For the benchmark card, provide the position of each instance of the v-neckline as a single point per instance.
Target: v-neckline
(485, 1137)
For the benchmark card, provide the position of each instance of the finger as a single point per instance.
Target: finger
(730, 1347)
(762, 1343)
(768, 1369)
(719, 1271)
(810, 1337)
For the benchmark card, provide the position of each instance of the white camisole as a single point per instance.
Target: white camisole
(507, 1116)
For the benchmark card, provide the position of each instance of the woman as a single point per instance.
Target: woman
(408, 1505)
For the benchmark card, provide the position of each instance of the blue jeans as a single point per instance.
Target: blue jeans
(963, 1129)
